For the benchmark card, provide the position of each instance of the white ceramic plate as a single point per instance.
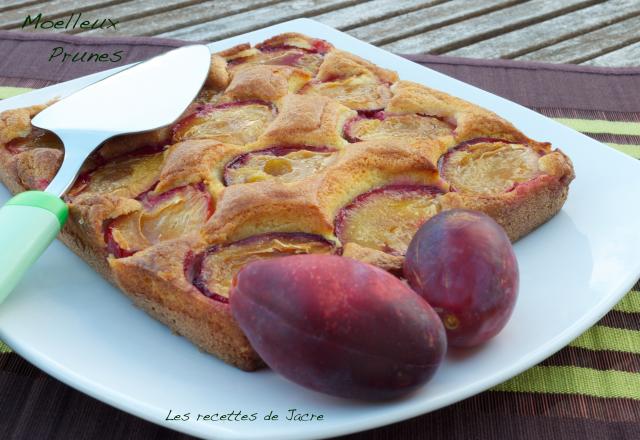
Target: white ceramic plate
(68, 321)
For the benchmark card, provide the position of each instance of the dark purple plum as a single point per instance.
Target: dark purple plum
(338, 325)
(462, 263)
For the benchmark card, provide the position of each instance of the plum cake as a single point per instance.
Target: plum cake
(293, 146)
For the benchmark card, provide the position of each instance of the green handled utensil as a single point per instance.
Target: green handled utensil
(146, 96)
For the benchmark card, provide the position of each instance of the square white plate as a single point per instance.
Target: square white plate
(68, 321)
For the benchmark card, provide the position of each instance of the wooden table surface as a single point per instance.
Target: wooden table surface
(593, 32)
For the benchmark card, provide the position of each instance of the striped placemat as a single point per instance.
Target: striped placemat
(589, 389)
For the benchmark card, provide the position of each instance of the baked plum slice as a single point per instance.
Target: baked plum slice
(284, 56)
(299, 53)
(488, 166)
(295, 41)
(338, 325)
(208, 96)
(232, 122)
(163, 217)
(357, 92)
(285, 163)
(37, 138)
(127, 176)
(386, 218)
(211, 272)
(377, 125)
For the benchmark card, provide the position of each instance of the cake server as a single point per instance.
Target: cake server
(146, 96)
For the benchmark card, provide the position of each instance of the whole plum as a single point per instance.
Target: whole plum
(338, 325)
(462, 263)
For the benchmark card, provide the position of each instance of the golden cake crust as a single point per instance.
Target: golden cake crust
(286, 141)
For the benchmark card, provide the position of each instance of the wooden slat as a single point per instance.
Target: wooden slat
(254, 19)
(550, 31)
(368, 12)
(181, 17)
(428, 18)
(10, 4)
(485, 26)
(595, 32)
(628, 56)
(54, 9)
(590, 45)
(125, 12)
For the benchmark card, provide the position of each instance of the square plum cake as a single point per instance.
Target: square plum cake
(292, 147)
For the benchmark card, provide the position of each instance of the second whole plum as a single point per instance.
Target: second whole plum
(462, 263)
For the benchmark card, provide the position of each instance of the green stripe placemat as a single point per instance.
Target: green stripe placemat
(8, 92)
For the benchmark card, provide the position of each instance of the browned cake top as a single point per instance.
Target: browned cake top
(293, 146)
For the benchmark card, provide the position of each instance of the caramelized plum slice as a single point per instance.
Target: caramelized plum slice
(38, 138)
(489, 166)
(293, 57)
(295, 41)
(163, 217)
(300, 53)
(233, 123)
(125, 176)
(387, 218)
(285, 163)
(208, 96)
(212, 271)
(357, 93)
(380, 125)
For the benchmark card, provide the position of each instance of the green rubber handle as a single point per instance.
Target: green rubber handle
(28, 224)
